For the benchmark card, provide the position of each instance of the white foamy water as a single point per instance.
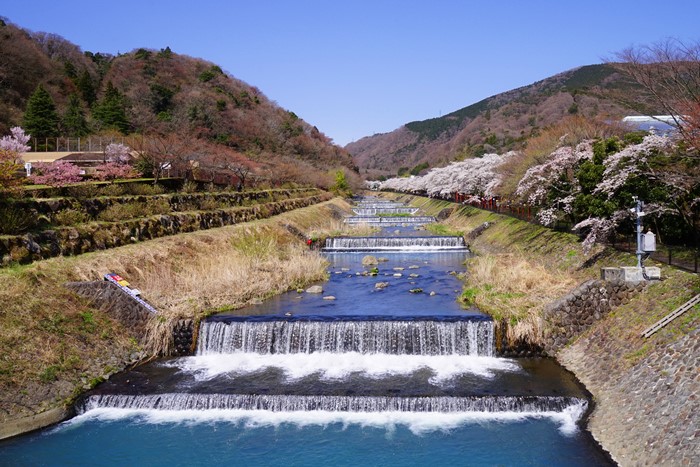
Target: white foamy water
(340, 365)
(416, 422)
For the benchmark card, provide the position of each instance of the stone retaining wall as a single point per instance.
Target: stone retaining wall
(94, 236)
(574, 313)
(568, 317)
(184, 337)
(177, 201)
(110, 299)
(646, 408)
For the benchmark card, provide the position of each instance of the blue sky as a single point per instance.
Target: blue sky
(355, 68)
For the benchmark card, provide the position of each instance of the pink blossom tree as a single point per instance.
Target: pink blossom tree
(477, 177)
(11, 148)
(658, 161)
(552, 185)
(56, 174)
(117, 166)
(111, 171)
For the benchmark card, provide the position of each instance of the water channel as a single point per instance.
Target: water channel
(389, 374)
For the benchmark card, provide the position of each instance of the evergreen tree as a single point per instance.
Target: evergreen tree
(74, 122)
(87, 88)
(111, 110)
(40, 117)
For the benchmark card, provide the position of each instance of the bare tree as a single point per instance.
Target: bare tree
(225, 162)
(669, 75)
(160, 153)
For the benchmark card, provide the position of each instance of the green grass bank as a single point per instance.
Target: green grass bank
(647, 408)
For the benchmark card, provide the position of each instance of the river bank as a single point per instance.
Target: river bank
(55, 344)
(645, 390)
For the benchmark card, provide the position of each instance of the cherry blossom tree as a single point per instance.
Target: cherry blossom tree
(553, 184)
(110, 171)
(661, 173)
(117, 157)
(156, 153)
(11, 148)
(118, 153)
(56, 174)
(477, 176)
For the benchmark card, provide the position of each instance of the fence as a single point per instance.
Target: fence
(88, 144)
(682, 257)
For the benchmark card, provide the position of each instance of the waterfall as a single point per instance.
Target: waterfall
(389, 221)
(287, 403)
(377, 204)
(395, 243)
(425, 337)
(388, 211)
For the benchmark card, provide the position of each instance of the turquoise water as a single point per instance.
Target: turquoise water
(131, 438)
(279, 364)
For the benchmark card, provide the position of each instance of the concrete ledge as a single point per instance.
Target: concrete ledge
(630, 274)
(25, 425)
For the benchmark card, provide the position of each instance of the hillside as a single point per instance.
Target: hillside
(496, 124)
(155, 92)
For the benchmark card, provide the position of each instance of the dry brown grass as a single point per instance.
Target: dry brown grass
(192, 275)
(515, 288)
(53, 342)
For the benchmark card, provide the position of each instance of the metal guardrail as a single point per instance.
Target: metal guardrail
(670, 317)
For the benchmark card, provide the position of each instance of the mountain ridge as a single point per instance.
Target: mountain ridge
(498, 123)
(158, 92)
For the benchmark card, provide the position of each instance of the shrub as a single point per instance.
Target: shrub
(118, 212)
(14, 221)
(144, 189)
(210, 204)
(157, 206)
(113, 190)
(87, 190)
(70, 216)
(133, 210)
(189, 187)
(49, 374)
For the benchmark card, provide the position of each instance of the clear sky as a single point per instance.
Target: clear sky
(356, 67)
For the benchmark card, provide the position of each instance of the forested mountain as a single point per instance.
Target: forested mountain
(496, 124)
(153, 92)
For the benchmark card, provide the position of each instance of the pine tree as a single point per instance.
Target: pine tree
(87, 88)
(111, 110)
(40, 117)
(74, 122)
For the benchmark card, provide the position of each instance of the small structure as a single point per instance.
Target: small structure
(646, 244)
(661, 123)
(125, 287)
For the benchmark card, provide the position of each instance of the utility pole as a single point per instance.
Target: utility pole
(637, 210)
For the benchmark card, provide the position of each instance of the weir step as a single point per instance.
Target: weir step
(285, 403)
(671, 316)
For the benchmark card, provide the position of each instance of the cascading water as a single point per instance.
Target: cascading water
(279, 403)
(384, 211)
(310, 381)
(389, 221)
(395, 243)
(376, 204)
(422, 337)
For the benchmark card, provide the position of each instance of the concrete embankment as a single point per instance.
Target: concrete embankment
(646, 391)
